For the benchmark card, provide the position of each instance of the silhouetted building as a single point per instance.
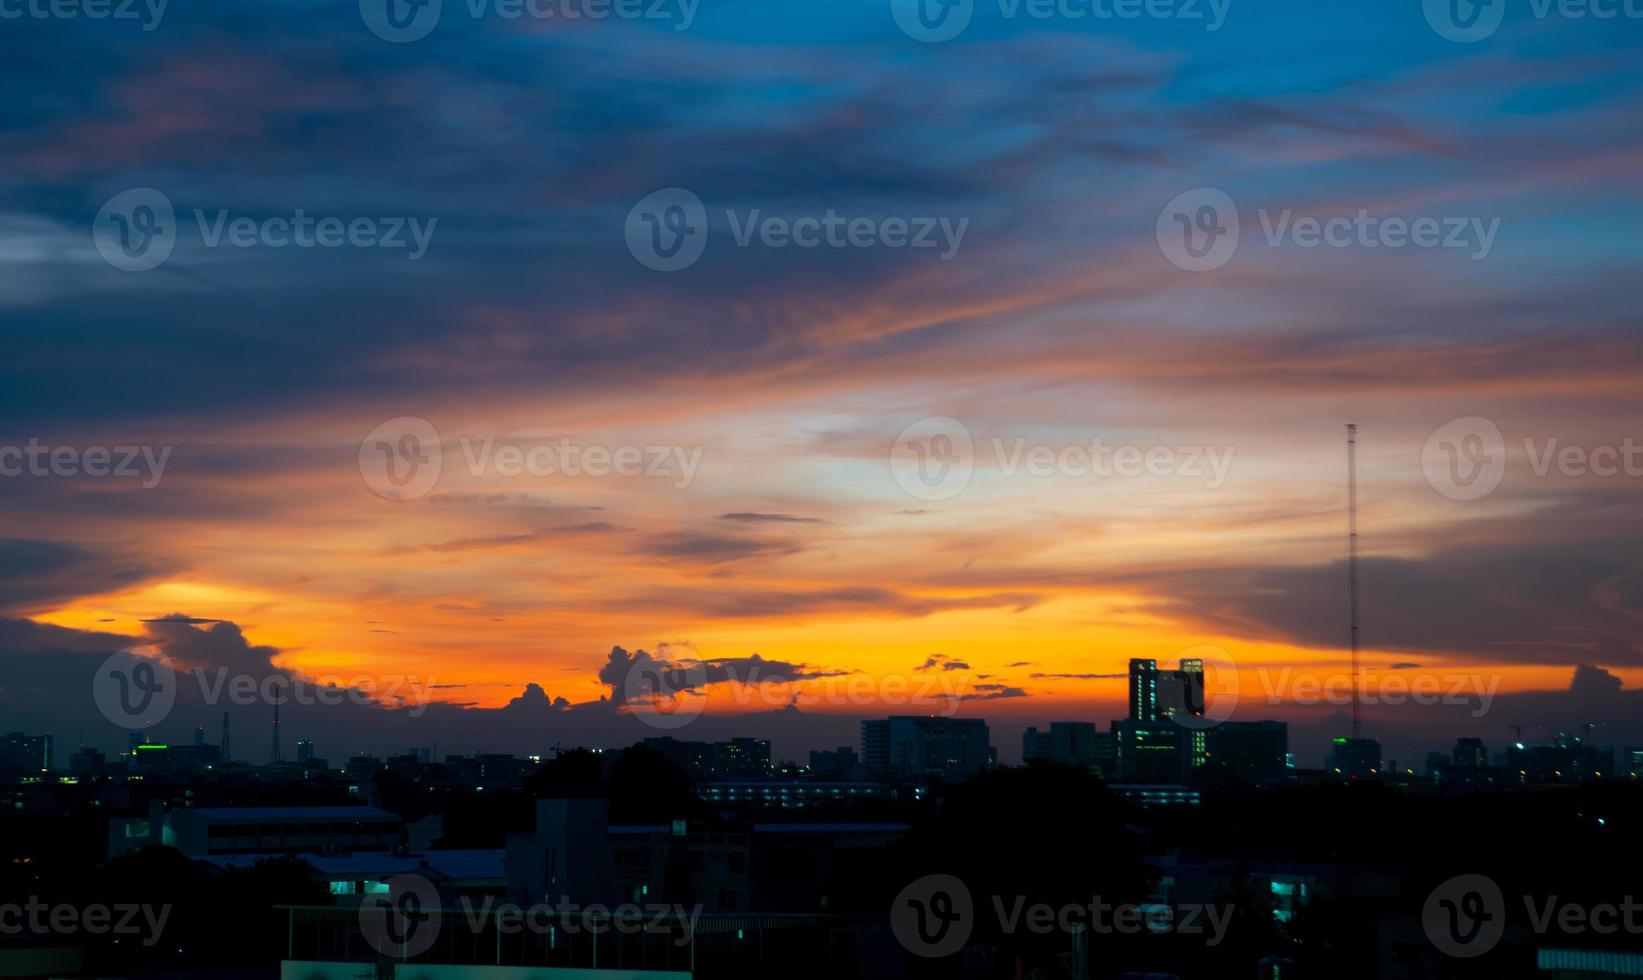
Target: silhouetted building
(25, 753)
(305, 750)
(1153, 752)
(739, 758)
(208, 831)
(788, 794)
(1256, 751)
(911, 745)
(1470, 753)
(159, 758)
(1567, 759)
(87, 762)
(1181, 691)
(568, 854)
(1355, 757)
(1067, 743)
(839, 763)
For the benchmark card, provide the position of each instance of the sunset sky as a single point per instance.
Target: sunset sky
(793, 372)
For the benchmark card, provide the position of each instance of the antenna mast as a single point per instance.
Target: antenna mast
(274, 753)
(1352, 556)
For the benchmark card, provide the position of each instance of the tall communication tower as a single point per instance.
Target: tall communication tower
(274, 754)
(1352, 556)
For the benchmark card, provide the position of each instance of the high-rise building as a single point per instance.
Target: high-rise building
(1355, 757)
(740, 758)
(875, 746)
(911, 745)
(1256, 751)
(839, 763)
(199, 736)
(25, 753)
(1143, 690)
(305, 750)
(1159, 751)
(87, 761)
(1568, 758)
(1067, 743)
(1190, 676)
(1470, 753)
(1181, 691)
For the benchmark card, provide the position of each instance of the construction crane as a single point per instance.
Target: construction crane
(1352, 557)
